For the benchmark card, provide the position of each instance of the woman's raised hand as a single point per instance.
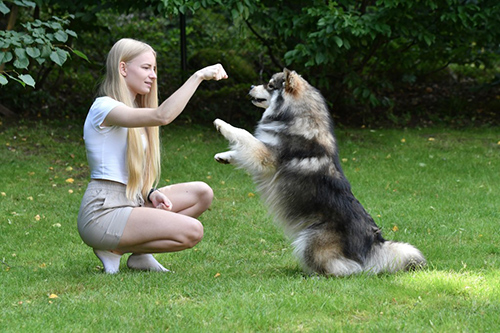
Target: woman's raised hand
(215, 72)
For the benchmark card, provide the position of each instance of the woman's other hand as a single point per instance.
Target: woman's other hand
(160, 200)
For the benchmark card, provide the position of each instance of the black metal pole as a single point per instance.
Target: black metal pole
(183, 44)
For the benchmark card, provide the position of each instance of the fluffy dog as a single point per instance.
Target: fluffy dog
(294, 162)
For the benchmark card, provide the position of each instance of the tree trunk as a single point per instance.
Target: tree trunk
(6, 112)
(10, 25)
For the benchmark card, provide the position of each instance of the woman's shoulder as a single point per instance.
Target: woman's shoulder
(100, 109)
(104, 104)
(105, 101)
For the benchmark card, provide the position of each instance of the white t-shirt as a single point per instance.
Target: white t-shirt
(106, 146)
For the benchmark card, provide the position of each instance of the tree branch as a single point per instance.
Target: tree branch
(266, 44)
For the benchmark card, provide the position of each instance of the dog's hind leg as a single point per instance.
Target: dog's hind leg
(320, 252)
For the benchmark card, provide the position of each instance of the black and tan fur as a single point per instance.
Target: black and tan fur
(294, 162)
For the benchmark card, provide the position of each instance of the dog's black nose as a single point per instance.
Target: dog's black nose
(251, 87)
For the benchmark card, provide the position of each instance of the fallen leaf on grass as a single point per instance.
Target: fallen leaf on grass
(70, 180)
(217, 275)
(53, 296)
(395, 228)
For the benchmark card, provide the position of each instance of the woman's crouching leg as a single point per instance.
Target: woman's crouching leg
(151, 230)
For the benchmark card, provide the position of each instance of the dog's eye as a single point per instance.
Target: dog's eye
(271, 86)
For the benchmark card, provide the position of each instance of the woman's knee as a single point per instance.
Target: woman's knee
(193, 234)
(205, 194)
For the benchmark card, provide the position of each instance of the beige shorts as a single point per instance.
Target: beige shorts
(103, 214)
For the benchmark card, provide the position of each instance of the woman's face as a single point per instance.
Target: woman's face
(139, 73)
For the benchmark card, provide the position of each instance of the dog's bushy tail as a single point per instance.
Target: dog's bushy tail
(391, 256)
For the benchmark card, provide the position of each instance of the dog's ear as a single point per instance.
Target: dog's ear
(293, 83)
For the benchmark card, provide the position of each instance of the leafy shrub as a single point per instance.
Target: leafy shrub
(360, 53)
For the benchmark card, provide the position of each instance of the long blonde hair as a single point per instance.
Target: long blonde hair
(143, 164)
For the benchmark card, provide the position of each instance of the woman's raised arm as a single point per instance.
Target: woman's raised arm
(125, 116)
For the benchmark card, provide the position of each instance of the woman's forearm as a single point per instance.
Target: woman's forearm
(175, 104)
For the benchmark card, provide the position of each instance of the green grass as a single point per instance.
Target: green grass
(438, 189)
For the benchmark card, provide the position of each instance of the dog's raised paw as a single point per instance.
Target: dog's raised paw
(218, 124)
(223, 158)
(222, 161)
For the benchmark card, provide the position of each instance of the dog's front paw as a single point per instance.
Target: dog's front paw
(224, 128)
(219, 123)
(224, 158)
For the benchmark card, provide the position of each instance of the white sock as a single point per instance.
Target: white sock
(145, 262)
(110, 260)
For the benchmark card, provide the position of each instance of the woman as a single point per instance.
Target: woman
(121, 210)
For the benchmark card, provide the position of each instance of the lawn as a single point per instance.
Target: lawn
(437, 189)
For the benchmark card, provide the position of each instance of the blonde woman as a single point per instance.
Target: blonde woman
(121, 210)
